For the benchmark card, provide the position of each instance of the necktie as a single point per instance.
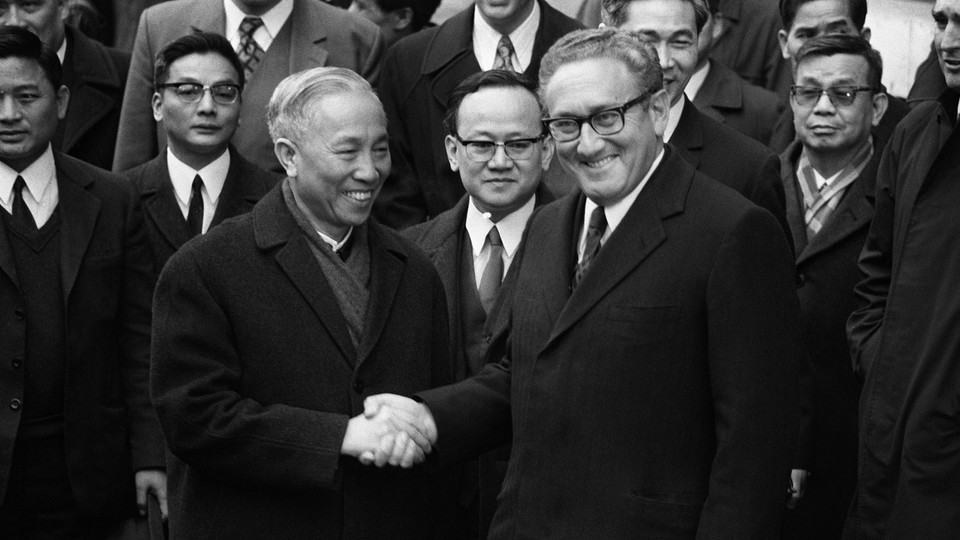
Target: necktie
(493, 272)
(250, 52)
(195, 214)
(504, 59)
(595, 230)
(20, 211)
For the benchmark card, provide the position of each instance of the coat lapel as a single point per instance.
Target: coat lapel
(308, 33)
(853, 213)
(239, 195)
(638, 235)
(84, 69)
(208, 16)
(274, 227)
(7, 264)
(688, 137)
(720, 90)
(387, 262)
(160, 203)
(792, 196)
(450, 56)
(78, 213)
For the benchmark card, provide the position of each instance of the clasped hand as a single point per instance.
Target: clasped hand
(392, 429)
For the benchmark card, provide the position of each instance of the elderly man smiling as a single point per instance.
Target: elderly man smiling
(272, 329)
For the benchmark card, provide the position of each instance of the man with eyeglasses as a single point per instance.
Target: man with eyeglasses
(806, 19)
(80, 446)
(903, 336)
(829, 177)
(497, 144)
(201, 179)
(649, 384)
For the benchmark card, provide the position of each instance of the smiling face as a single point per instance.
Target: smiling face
(501, 185)
(828, 129)
(29, 110)
(606, 167)
(946, 14)
(198, 132)
(669, 26)
(340, 160)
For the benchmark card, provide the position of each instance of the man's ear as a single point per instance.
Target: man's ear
(286, 151)
(719, 25)
(63, 101)
(546, 154)
(782, 36)
(865, 33)
(659, 109)
(157, 101)
(450, 144)
(880, 102)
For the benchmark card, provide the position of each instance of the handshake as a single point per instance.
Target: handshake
(392, 429)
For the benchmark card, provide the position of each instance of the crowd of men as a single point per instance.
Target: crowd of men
(690, 274)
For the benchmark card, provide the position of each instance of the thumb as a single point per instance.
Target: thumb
(371, 405)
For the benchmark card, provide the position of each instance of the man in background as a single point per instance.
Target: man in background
(396, 18)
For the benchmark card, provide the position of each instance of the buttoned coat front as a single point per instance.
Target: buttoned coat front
(658, 399)
(255, 377)
(109, 426)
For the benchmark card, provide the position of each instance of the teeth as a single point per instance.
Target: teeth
(359, 195)
(599, 163)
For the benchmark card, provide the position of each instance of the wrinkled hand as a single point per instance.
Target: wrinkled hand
(417, 435)
(798, 486)
(151, 481)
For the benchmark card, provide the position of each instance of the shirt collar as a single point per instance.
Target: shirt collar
(696, 81)
(511, 227)
(214, 175)
(673, 119)
(62, 50)
(273, 19)
(486, 39)
(38, 176)
(616, 211)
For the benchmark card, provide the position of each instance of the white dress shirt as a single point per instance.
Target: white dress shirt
(696, 81)
(41, 194)
(486, 39)
(614, 212)
(511, 228)
(273, 21)
(214, 175)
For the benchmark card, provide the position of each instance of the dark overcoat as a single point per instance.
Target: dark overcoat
(747, 108)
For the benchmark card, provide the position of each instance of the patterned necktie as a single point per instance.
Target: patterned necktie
(595, 230)
(504, 59)
(195, 213)
(493, 273)
(20, 211)
(250, 52)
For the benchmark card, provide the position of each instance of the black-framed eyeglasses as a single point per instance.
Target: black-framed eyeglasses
(605, 122)
(839, 96)
(189, 92)
(516, 149)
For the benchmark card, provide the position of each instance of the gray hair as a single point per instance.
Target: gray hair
(638, 56)
(288, 111)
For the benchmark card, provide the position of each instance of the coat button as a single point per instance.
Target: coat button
(18, 313)
(15, 404)
(358, 386)
(16, 363)
(486, 339)
(801, 279)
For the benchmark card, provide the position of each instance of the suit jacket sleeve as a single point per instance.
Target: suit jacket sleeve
(400, 202)
(197, 387)
(754, 354)
(876, 260)
(137, 137)
(146, 440)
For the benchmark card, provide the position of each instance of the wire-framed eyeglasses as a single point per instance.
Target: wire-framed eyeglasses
(483, 151)
(839, 96)
(189, 92)
(605, 122)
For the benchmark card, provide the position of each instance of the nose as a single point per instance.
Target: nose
(500, 159)
(9, 109)
(824, 105)
(951, 36)
(663, 51)
(12, 17)
(366, 170)
(206, 103)
(590, 142)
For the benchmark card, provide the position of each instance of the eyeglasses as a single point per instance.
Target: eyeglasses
(483, 151)
(840, 96)
(605, 122)
(224, 94)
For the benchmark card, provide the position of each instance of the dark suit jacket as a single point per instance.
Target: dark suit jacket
(96, 76)
(419, 73)
(639, 406)
(166, 229)
(321, 35)
(904, 343)
(730, 100)
(255, 377)
(109, 426)
(826, 275)
(735, 160)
